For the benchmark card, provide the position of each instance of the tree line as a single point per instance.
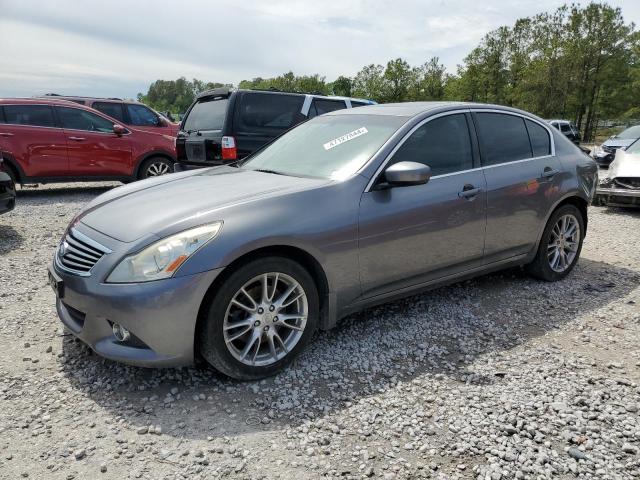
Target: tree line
(577, 63)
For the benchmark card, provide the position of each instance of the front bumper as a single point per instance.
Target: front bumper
(617, 197)
(7, 193)
(161, 316)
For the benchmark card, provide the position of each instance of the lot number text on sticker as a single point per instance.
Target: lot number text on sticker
(345, 138)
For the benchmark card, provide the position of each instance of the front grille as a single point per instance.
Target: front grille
(628, 182)
(78, 253)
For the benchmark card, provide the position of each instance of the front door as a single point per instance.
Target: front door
(92, 147)
(416, 234)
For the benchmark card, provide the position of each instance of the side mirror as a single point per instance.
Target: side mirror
(119, 129)
(404, 174)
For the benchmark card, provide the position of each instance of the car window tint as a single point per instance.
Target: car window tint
(269, 113)
(207, 114)
(77, 119)
(2, 114)
(355, 104)
(540, 142)
(443, 143)
(503, 138)
(142, 116)
(565, 128)
(113, 109)
(36, 115)
(326, 106)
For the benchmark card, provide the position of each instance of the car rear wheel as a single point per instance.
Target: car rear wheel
(154, 167)
(560, 245)
(260, 319)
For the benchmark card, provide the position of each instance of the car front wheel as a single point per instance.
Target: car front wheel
(560, 245)
(260, 319)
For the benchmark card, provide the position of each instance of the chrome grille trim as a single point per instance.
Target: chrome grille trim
(78, 253)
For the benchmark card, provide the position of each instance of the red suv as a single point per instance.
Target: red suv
(46, 140)
(127, 112)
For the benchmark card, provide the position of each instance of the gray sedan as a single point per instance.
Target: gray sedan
(240, 264)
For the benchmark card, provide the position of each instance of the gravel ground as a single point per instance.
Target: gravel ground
(501, 377)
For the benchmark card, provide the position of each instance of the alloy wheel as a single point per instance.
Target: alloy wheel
(157, 168)
(265, 319)
(563, 243)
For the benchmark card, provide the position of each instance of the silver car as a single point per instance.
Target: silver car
(240, 264)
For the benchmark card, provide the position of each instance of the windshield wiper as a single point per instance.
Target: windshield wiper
(266, 170)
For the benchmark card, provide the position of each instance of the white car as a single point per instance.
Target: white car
(621, 185)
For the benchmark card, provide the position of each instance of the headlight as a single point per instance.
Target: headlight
(163, 258)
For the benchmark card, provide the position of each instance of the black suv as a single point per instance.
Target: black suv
(224, 125)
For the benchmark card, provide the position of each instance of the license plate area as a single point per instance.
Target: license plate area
(56, 283)
(196, 151)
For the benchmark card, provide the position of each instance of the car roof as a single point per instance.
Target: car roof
(227, 91)
(412, 109)
(93, 99)
(40, 101)
(559, 121)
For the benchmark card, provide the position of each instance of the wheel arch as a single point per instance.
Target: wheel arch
(10, 162)
(148, 155)
(304, 258)
(571, 199)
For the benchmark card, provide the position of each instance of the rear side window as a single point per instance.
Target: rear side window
(2, 114)
(565, 128)
(113, 109)
(269, 113)
(76, 119)
(207, 114)
(503, 138)
(36, 115)
(443, 143)
(540, 142)
(355, 104)
(142, 116)
(320, 106)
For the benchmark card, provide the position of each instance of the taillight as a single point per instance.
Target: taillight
(229, 151)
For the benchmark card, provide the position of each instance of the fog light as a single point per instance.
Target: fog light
(121, 333)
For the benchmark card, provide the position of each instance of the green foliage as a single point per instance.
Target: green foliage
(578, 63)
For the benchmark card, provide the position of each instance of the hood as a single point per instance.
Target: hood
(150, 206)
(618, 142)
(625, 165)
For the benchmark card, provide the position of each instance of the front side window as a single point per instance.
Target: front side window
(35, 115)
(332, 147)
(76, 119)
(142, 116)
(113, 109)
(444, 144)
(540, 142)
(503, 138)
(269, 113)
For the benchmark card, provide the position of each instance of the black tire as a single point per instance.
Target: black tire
(540, 267)
(152, 165)
(8, 169)
(212, 344)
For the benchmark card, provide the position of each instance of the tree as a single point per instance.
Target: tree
(175, 95)
(341, 86)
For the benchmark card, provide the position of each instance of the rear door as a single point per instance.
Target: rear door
(523, 177)
(201, 132)
(260, 117)
(30, 135)
(93, 149)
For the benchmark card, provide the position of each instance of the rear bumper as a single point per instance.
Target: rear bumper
(7, 193)
(622, 197)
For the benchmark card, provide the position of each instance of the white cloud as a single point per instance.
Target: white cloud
(117, 48)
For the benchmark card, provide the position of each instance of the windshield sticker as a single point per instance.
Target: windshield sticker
(345, 138)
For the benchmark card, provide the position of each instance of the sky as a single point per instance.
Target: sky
(119, 47)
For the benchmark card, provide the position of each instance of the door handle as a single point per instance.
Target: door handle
(6, 134)
(469, 191)
(77, 139)
(549, 172)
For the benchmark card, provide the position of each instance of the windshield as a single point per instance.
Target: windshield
(630, 133)
(333, 146)
(207, 114)
(635, 147)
